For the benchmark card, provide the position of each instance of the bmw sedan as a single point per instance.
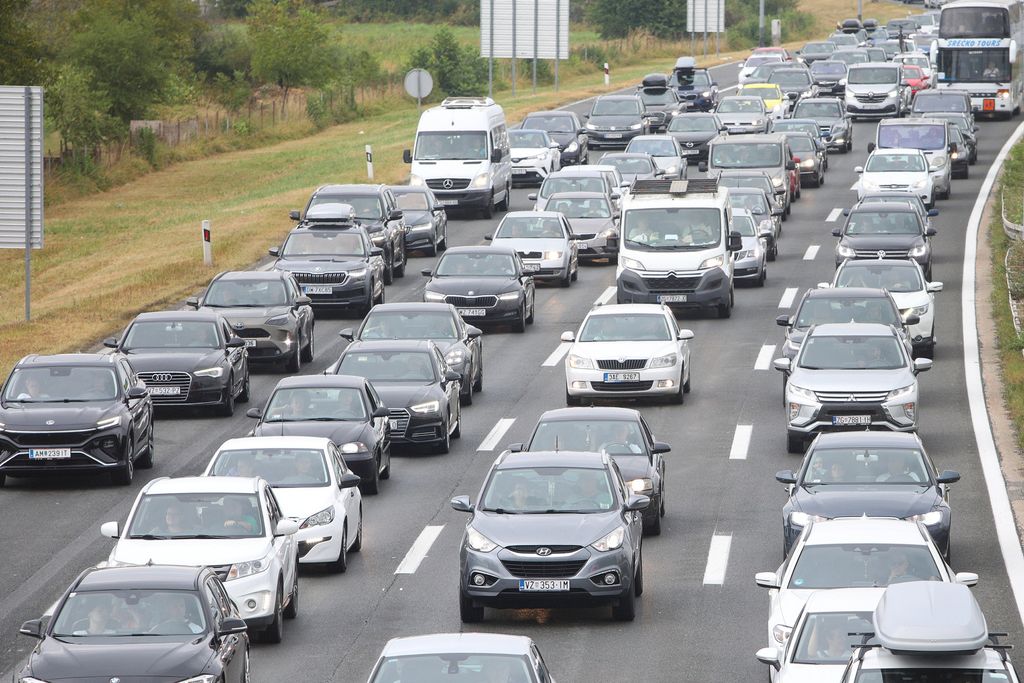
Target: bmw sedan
(544, 242)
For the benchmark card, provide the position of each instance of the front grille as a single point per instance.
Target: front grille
(851, 396)
(183, 380)
(321, 278)
(672, 283)
(456, 183)
(621, 386)
(877, 97)
(486, 301)
(532, 549)
(874, 253)
(56, 438)
(543, 570)
(252, 333)
(898, 187)
(399, 421)
(531, 254)
(629, 364)
(586, 235)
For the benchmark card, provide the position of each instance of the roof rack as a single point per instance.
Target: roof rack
(466, 102)
(675, 187)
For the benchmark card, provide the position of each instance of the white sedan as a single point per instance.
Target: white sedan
(628, 350)
(903, 170)
(544, 241)
(534, 156)
(312, 483)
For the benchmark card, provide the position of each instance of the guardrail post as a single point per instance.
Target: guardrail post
(207, 246)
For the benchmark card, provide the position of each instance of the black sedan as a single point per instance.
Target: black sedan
(346, 410)
(460, 343)
(621, 433)
(75, 413)
(563, 127)
(160, 623)
(833, 120)
(425, 219)
(874, 473)
(415, 383)
(694, 132)
(485, 284)
(187, 358)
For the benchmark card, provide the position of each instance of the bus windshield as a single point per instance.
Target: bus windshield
(990, 65)
(974, 22)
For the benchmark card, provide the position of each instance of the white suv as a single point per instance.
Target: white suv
(232, 524)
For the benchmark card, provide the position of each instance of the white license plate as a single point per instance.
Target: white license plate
(846, 420)
(49, 453)
(672, 299)
(531, 267)
(613, 135)
(448, 202)
(519, 171)
(307, 290)
(393, 424)
(164, 391)
(612, 377)
(472, 312)
(687, 152)
(249, 343)
(543, 585)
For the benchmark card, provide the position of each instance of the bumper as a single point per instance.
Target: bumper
(597, 248)
(649, 382)
(528, 173)
(503, 311)
(548, 269)
(255, 597)
(887, 107)
(819, 418)
(464, 199)
(746, 128)
(748, 269)
(712, 288)
(342, 296)
(619, 138)
(941, 178)
(268, 343)
(989, 105)
(411, 428)
(420, 237)
(86, 454)
(362, 464)
(320, 544)
(571, 158)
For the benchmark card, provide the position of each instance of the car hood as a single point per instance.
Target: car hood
(741, 117)
(476, 285)
(57, 659)
(189, 551)
(810, 673)
(523, 152)
(145, 360)
(884, 500)
(562, 138)
(249, 314)
(530, 244)
(617, 121)
(906, 300)
(790, 602)
(696, 137)
(397, 395)
(883, 242)
(894, 177)
(672, 260)
(825, 120)
(666, 162)
(417, 217)
(633, 466)
(506, 530)
(877, 88)
(618, 349)
(343, 264)
(586, 226)
(630, 177)
(337, 431)
(32, 416)
(299, 502)
(852, 380)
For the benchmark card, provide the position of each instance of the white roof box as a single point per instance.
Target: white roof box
(466, 102)
(330, 213)
(686, 63)
(927, 617)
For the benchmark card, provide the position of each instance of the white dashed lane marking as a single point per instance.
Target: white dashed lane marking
(556, 356)
(834, 215)
(718, 559)
(605, 297)
(764, 357)
(741, 442)
(788, 297)
(418, 552)
(811, 252)
(494, 436)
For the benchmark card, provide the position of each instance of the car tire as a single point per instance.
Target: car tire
(764, 276)
(654, 527)
(519, 326)
(725, 310)
(124, 474)
(292, 610)
(246, 393)
(227, 404)
(679, 397)
(487, 212)
(3, 480)
(445, 444)
(567, 280)
(274, 632)
(948, 192)
(433, 248)
(372, 486)
(468, 612)
(773, 252)
(400, 270)
(507, 201)
(385, 473)
(357, 544)
(478, 384)
(927, 351)
(639, 580)
(457, 432)
(294, 363)
(145, 460)
(794, 443)
(309, 351)
(571, 400)
(533, 310)
(686, 384)
(625, 609)
(340, 565)
(389, 268)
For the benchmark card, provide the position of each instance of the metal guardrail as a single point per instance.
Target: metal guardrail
(1014, 310)
(1015, 231)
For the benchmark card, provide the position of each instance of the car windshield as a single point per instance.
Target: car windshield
(552, 124)
(763, 93)
(615, 437)
(911, 72)
(452, 146)
(548, 490)
(818, 110)
(829, 637)
(693, 124)
(865, 467)
(672, 228)
(884, 223)
(580, 207)
(518, 138)
(908, 200)
(364, 206)
(754, 202)
(61, 384)
(746, 155)
(762, 72)
(861, 565)
(325, 404)
(656, 148)
(323, 243)
(620, 107)
(991, 65)
(697, 79)
(625, 327)
(281, 467)
(800, 143)
(940, 103)
(745, 105)
(912, 136)
(531, 227)
(850, 57)
(628, 165)
(162, 516)
(791, 79)
(130, 612)
(412, 367)
(171, 334)
(476, 264)
(941, 675)
(434, 325)
(896, 163)
(846, 309)
(744, 225)
(895, 278)
(572, 184)
(872, 75)
(818, 48)
(657, 97)
(755, 183)
(230, 293)
(453, 667)
(786, 126)
(413, 201)
(759, 60)
(853, 352)
(826, 68)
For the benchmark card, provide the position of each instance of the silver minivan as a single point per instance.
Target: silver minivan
(876, 91)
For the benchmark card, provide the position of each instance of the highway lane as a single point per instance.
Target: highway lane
(344, 620)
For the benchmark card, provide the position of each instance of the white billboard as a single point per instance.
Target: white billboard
(21, 166)
(705, 16)
(536, 28)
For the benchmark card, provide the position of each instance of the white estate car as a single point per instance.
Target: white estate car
(905, 282)
(313, 485)
(897, 169)
(849, 553)
(232, 524)
(633, 350)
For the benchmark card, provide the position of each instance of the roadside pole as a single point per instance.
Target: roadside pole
(207, 245)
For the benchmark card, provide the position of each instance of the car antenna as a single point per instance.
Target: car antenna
(556, 442)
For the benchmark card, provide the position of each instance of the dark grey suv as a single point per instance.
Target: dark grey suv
(552, 528)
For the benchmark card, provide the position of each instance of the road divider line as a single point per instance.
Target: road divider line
(788, 296)
(718, 560)
(811, 252)
(854, 186)
(764, 357)
(418, 552)
(556, 356)
(741, 442)
(834, 215)
(606, 296)
(494, 436)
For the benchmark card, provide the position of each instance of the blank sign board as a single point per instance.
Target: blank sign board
(21, 183)
(705, 16)
(537, 28)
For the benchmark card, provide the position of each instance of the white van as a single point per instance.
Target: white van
(462, 153)
(676, 245)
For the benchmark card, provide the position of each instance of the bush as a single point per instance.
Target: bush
(145, 144)
(456, 70)
(242, 127)
(317, 111)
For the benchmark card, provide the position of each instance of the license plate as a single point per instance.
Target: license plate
(519, 171)
(164, 391)
(687, 152)
(613, 377)
(672, 299)
(543, 585)
(249, 343)
(531, 267)
(988, 105)
(49, 453)
(307, 290)
(613, 136)
(448, 202)
(472, 312)
(393, 424)
(846, 420)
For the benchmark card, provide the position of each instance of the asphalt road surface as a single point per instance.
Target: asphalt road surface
(693, 624)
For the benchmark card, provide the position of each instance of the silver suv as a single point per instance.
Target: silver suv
(850, 376)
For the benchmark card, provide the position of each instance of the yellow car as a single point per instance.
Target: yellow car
(770, 93)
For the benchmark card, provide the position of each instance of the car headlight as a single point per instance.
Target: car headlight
(842, 81)
(278, 320)
(901, 393)
(209, 372)
(706, 93)
(845, 251)
(929, 518)
(758, 122)
(591, 126)
(325, 516)
(666, 361)
(433, 296)
(741, 255)
(610, 232)
(636, 126)
(612, 541)
(109, 422)
(798, 518)
(644, 486)
(780, 632)
(241, 569)
(807, 163)
(892, 93)
(777, 182)
(671, 170)
(455, 357)
(2, 426)
(425, 408)
(800, 394)
(713, 262)
(357, 274)
(918, 310)
(919, 250)
(481, 180)
(552, 255)
(868, 184)
(630, 263)
(202, 678)
(508, 296)
(919, 184)
(416, 180)
(353, 447)
(478, 542)
(572, 146)
(937, 163)
(579, 362)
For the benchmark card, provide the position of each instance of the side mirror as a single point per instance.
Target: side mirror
(931, 232)
(407, 156)
(235, 343)
(473, 332)
(660, 447)
(783, 321)
(685, 334)
(110, 343)
(735, 241)
(858, 169)
(295, 215)
(846, 213)
(793, 96)
(33, 628)
(782, 364)
(396, 215)
(616, 196)
(532, 196)
(568, 336)
(274, 251)
(452, 376)
(796, 160)
(790, 165)
(255, 413)
(637, 503)
(516, 447)
(934, 286)
(303, 300)
(286, 527)
(766, 579)
(553, 145)
(376, 251)
(871, 147)
(702, 166)
(231, 626)
(380, 411)
(967, 578)
(110, 530)
(785, 477)
(586, 116)
(659, 173)
(349, 480)
(922, 365)
(135, 393)
(191, 302)
(488, 237)
(948, 477)
(496, 156)
(347, 333)
(912, 319)
(426, 272)
(837, 232)
(769, 656)
(461, 504)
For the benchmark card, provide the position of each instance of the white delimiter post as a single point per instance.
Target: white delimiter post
(607, 75)
(369, 162)
(207, 247)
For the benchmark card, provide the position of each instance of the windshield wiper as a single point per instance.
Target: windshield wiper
(502, 511)
(149, 537)
(199, 536)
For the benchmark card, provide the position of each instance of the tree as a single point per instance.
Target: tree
(22, 54)
(79, 109)
(290, 45)
(456, 69)
(619, 18)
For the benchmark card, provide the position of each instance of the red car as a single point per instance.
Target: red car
(915, 78)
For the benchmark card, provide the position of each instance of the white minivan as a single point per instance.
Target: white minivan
(462, 154)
